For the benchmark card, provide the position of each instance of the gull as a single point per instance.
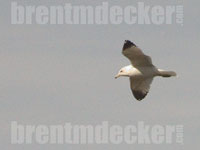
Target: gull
(141, 71)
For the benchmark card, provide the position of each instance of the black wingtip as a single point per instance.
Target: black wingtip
(139, 95)
(128, 44)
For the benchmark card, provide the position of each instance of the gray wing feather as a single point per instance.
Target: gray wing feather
(137, 57)
(140, 87)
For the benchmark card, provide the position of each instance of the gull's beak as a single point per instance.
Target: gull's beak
(117, 76)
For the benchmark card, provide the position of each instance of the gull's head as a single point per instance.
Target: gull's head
(122, 72)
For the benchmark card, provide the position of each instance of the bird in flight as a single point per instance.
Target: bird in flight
(141, 71)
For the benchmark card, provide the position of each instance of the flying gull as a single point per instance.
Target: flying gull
(141, 71)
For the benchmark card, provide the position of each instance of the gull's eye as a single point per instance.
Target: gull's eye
(121, 71)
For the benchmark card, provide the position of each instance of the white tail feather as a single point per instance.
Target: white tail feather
(164, 73)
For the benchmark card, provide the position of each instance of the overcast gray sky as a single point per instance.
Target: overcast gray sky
(52, 74)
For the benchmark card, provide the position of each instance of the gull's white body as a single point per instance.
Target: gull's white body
(141, 71)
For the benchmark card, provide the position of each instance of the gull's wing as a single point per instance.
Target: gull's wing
(135, 55)
(140, 87)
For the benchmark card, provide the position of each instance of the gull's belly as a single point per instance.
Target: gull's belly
(143, 72)
(135, 73)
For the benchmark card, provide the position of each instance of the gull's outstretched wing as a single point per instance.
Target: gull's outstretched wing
(140, 87)
(135, 55)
